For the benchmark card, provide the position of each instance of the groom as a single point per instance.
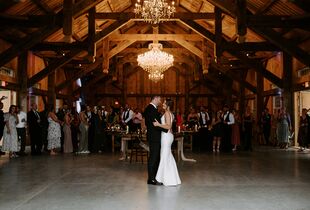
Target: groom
(153, 136)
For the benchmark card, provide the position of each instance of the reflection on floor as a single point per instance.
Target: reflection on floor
(265, 179)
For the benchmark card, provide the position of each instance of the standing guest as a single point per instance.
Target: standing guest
(2, 124)
(228, 120)
(75, 130)
(136, 120)
(192, 118)
(60, 115)
(10, 139)
(21, 130)
(266, 125)
(104, 112)
(35, 132)
(204, 117)
(283, 128)
(100, 126)
(54, 131)
(235, 134)
(90, 113)
(248, 129)
(68, 147)
(44, 125)
(273, 130)
(127, 117)
(303, 135)
(83, 145)
(217, 130)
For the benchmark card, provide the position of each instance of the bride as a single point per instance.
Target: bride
(167, 172)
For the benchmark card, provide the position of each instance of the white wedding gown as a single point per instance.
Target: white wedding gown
(167, 172)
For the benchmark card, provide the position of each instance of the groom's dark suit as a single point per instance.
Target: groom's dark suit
(153, 136)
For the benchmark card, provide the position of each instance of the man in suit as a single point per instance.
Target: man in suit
(34, 121)
(127, 116)
(153, 136)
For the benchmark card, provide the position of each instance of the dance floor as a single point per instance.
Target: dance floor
(264, 179)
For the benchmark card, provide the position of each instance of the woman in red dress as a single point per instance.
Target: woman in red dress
(235, 135)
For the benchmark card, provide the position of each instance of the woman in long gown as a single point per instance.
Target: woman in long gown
(10, 139)
(53, 132)
(235, 134)
(83, 145)
(68, 147)
(167, 172)
(283, 128)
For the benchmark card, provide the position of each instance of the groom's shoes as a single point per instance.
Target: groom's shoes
(154, 182)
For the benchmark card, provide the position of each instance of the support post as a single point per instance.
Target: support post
(218, 33)
(259, 95)
(91, 34)
(51, 93)
(22, 78)
(288, 93)
(68, 20)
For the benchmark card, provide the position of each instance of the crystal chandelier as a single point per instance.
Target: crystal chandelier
(155, 61)
(156, 76)
(154, 11)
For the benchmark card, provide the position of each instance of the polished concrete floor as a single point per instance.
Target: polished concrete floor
(264, 179)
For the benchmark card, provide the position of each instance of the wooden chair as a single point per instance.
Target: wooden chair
(138, 151)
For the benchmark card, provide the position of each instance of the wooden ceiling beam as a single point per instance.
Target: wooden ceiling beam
(268, 34)
(250, 46)
(62, 61)
(278, 21)
(241, 20)
(59, 46)
(39, 92)
(29, 21)
(265, 7)
(226, 71)
(52, 67)
(177, 15)
(136, 95)
(284, 44)
(249, 62)
(187, 45)
(39, 35)
(43, 6)
(79, 74)
(120, 47)
(90, 83)
(151, 37)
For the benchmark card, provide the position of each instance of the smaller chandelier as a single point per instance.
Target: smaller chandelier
(154, 11)
(156, 76)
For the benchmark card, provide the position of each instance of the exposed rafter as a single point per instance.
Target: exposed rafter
(39, 35)
(178, 15)
(61, 62)
(252, 64)
(268, 34)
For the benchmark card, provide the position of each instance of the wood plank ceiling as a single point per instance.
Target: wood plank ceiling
(245, 40)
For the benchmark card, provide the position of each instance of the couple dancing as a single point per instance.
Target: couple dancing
(162, 169)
